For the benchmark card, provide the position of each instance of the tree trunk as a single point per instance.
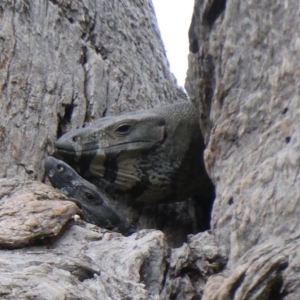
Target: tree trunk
(64, 64)
(244, 76)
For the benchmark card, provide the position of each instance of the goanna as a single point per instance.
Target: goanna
(96, 207)
(154, 155)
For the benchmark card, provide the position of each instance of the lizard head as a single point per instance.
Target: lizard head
(149, 155)
(96, 207)
(113, 146)
(113, 135)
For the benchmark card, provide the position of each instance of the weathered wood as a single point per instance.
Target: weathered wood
(66, 63)
(27, 216)
(244, 75)
(62, 65)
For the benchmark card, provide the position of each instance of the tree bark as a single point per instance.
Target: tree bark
(65, 63)
(62, 65)
(244, 76)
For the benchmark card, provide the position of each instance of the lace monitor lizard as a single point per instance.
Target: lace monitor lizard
(154, 155)
(96, 207)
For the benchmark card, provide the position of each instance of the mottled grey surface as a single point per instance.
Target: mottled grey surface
(244, 75)
(26, 214)
(83, 261)
(64, 63)
(69, 258)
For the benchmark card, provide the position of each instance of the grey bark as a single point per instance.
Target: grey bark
(83, 261)
(244, 76)
(66, 63)
(62, 65)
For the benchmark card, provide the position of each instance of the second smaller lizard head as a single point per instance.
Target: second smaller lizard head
(96, 207)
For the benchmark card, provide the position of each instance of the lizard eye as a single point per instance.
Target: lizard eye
(75, 138)
(89, 196)
(60, 168)
(123, 128)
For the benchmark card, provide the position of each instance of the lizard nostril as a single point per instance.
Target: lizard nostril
(60, 168)
(50, 173)
(75, 138)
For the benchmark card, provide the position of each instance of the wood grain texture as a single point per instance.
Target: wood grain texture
(62, 65)
(244, 75)
(65, 63)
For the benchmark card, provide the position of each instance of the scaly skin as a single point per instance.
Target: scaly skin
(95, 206)
(154, 155)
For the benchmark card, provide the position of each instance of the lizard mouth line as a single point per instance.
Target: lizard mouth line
(93, 150)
